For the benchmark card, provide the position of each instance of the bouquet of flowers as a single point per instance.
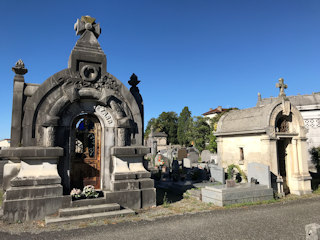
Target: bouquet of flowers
(89, 192)
(160, 161)
(76, 193)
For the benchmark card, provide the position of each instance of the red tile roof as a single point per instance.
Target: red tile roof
(217, 110)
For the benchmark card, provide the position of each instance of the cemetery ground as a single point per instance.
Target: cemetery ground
(171, 208)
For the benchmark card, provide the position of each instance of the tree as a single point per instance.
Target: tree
(200, 132)
(152, 122)
(212, 145)
(315, 157)
(184, 127)
(168, 122)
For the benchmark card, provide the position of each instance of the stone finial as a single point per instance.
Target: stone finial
(87, 23)
(281, 87)
(19, 68)
(134, 80)
(259, 97)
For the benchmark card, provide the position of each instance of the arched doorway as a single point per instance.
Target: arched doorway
(85, 156)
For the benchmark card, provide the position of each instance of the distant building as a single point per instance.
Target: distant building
(157, 141)
(274, 133)
(214, 112)
(4, 143)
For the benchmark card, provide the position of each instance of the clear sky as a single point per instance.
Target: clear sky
(195, 53)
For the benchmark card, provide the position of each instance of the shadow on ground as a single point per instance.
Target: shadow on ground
(168, 196)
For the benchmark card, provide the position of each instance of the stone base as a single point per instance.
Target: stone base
(300, 185)
(31, 199)
(133, 190)
(30, 209)
(246, 192)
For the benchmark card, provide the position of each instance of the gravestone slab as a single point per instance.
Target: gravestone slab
(186, 163)
(182, 153)
(193, 156)
(220, 195)
(206, 156)
(203, 166)
(260, 172)
(217, 173)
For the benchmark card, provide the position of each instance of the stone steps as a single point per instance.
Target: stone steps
(89, 212)
(74, 211)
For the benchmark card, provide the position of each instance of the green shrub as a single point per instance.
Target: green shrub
(230, 172)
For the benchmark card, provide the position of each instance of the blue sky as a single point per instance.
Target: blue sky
(195, 53)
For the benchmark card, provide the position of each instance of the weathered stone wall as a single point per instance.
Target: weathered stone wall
(229, 151)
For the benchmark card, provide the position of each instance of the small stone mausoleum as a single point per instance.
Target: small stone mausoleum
(80, 127)
(273, 134)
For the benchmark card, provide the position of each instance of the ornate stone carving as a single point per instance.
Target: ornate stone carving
(134, 80)
(312, 123)
(87, 23)
(87, 78)
(281, 87)
(19, 68)
(89, 73)
(110, 83)
(115, 107)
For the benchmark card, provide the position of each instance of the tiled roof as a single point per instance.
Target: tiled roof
(217, 110)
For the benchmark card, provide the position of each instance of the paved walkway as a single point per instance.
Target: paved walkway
(273, 221)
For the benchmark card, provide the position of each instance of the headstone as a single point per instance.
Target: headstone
(217, 173)
(182, 153)
(206, 156)
(260, 172)
(186, 163)
(193, 156)
(193, 149)
(175, 170)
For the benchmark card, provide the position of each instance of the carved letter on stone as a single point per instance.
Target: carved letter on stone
(104, 113)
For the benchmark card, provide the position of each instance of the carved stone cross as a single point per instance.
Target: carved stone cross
(281, 87)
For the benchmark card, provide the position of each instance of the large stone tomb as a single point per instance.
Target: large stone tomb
(80, 127)
(221, 195)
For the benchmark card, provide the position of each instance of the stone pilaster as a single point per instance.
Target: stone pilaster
(17, 103)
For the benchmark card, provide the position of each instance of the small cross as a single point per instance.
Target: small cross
(281, 87)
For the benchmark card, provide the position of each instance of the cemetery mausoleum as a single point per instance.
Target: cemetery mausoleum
(273, 134)
(80, 127)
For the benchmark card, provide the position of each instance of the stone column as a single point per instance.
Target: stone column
(302, 148)
(17, 103)
(50, 136)
(121, 137)
(295, 160)
(219, 151)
